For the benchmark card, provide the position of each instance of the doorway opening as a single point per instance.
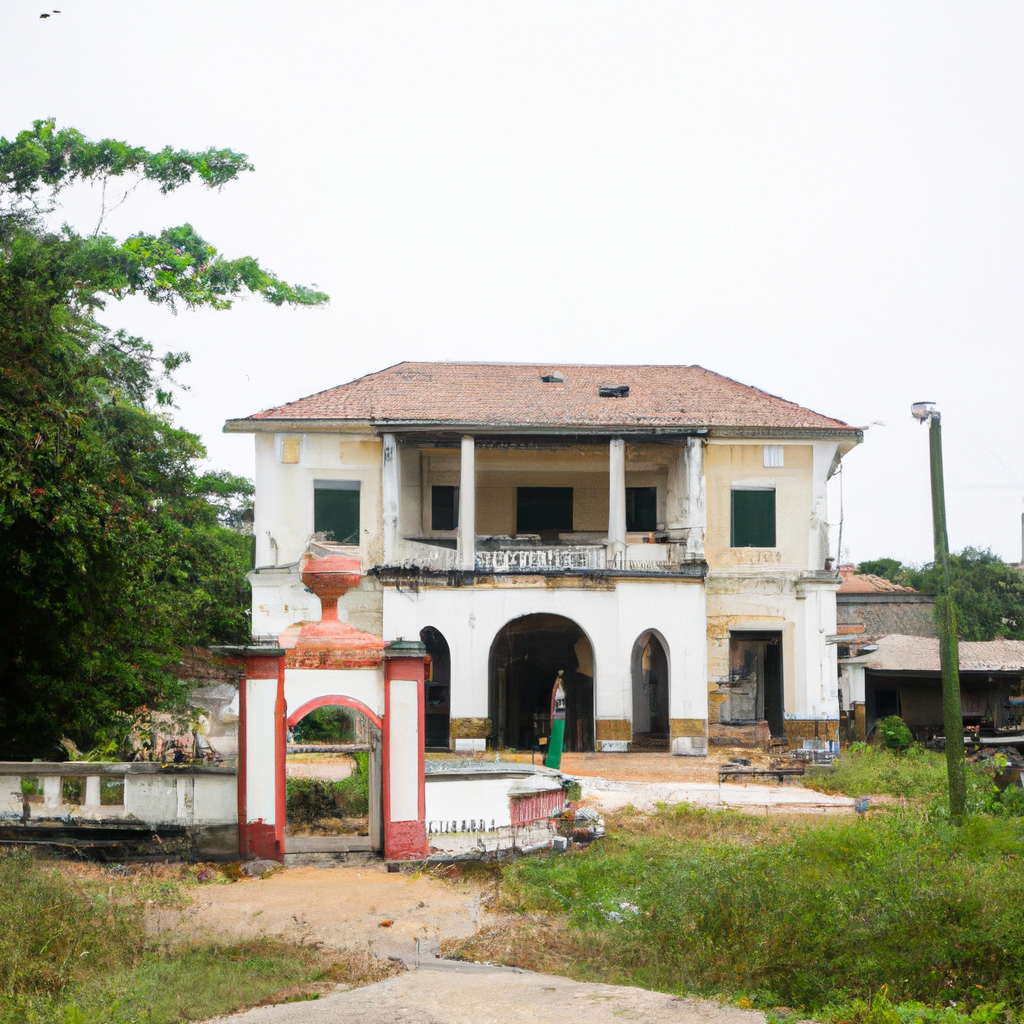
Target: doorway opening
(649, 666)
(755, 680)
(526, 657)
(333, 780)
(437, 704)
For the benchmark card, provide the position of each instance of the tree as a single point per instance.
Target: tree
(116, 552)
(988, 592)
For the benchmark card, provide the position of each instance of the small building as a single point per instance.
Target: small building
(874, 606)
(900, 675)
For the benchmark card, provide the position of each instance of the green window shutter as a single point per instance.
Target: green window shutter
(336, 510)
(753, 519)
(641, 509)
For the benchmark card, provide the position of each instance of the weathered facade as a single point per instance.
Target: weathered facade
(659, 534)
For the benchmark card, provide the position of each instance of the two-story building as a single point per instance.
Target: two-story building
(656, 533)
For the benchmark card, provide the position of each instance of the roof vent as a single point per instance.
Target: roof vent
(613, 390)
(554, 377)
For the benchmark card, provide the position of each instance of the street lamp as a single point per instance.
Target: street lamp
(949, 651)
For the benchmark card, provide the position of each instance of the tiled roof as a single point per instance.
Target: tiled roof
(513, 395)
(898, 653)
(867, 583)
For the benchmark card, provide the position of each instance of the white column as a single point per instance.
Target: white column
(695, 502)
(617, 498)
(389, 498)
(467, 506)
(92, 792)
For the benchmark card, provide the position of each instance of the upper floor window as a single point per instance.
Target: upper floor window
(774, 456)
(336, 510)
(753, 518)
(641, 509)
(543, 510)
(444, 508)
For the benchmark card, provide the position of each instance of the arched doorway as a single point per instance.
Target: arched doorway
(437, 696)
(334, 778)
(526, 657)
(649, 665)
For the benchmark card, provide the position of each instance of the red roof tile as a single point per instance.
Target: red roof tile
(868, 583)
(513, 395)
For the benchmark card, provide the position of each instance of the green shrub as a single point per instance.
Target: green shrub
(309, 800)
(893, 733)
(842, 908)
(325, 725)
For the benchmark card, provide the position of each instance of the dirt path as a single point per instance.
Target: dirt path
(494, 996)
(339, 906)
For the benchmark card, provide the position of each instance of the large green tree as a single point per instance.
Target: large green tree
(988, 592)
(116, 551)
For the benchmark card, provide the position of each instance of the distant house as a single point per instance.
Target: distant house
(900, 675)
(868, 605)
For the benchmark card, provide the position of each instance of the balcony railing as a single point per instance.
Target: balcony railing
(517, 555)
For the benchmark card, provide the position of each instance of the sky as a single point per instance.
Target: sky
(822, 200)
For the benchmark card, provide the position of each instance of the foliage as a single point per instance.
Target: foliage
(116, 550)
(870, 771)
(73, 953)
(310, 800)
(893, 733)
(823, 917)
(988, 592)
(325, 725)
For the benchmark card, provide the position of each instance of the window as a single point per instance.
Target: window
(290, 449)
(774, 456)
(336, 510)
(444, 508)
(543, 510)
(641, 509)
(753, 519)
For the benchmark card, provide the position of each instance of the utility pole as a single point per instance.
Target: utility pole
(949, 648)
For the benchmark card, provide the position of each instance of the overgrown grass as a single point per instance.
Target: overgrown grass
(71, 954)
(812, 916)
(869, 771)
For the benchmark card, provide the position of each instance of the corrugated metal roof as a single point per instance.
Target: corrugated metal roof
(513, 395)
(898, 653)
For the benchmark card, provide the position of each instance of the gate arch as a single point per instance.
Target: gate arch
(649, 677)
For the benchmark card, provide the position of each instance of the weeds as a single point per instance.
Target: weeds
(868, 771)
(310, 800)
(821, 917)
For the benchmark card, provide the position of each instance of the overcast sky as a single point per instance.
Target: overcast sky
(823, 200)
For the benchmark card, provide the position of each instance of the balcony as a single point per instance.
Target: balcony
(569, 554)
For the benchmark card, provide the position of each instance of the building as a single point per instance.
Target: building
(657, 533)
(868, 605)
(901, 675)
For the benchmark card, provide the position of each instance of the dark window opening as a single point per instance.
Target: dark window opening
(444, 508)
(544, 510)
(753, 519)
(755, 681)
(437, 690)
(641, 509)
(336, 510)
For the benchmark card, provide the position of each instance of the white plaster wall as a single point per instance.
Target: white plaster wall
(215, 800)
(817, 693)
(284, 492)
(152, 798)
(260, 695)
(463, 799)
(363, 684)
(470, 618)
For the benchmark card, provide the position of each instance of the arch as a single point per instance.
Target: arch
(332, 700)
(524, 659)
(437, 692)
(649, 677)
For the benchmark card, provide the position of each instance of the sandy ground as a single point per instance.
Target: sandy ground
(339, 906)
(333, 767)
(494, 996)
(658, 767)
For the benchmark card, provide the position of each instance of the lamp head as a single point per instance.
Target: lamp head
(924, 411)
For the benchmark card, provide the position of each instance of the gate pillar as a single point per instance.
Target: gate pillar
(405, 829)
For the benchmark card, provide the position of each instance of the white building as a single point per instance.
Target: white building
(658, 533)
